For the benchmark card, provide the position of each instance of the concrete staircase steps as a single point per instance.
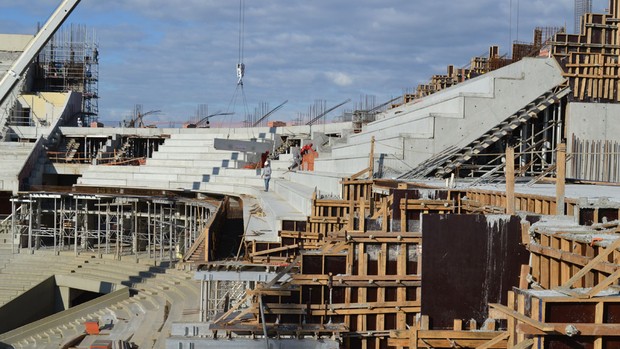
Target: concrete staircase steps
(445, 165)
(192, 157)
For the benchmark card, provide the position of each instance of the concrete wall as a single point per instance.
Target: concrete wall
(14, 42)
(593, 136)
(48, 107)
(452, 117)
(593, 121)
(30, 306)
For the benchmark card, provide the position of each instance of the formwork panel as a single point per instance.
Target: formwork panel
(469, 261)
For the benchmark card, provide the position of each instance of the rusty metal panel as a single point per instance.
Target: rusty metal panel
(468, 261)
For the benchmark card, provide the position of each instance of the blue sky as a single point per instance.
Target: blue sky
(172, 55)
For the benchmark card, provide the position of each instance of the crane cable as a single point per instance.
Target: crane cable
(240, 66)
(241, 29)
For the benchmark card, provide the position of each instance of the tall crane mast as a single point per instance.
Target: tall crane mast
(19, 67)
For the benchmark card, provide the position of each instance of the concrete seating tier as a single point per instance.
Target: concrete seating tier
(163, 296)
(182, 161)
(412, 133)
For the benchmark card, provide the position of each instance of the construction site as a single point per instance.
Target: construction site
(481, 210)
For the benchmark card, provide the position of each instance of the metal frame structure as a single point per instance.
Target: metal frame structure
(151, 227)
(70, 62)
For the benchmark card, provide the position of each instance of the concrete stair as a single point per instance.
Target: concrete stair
(410, 134)
(182, 162)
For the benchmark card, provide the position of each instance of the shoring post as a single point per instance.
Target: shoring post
(560, 179)
(510, 180)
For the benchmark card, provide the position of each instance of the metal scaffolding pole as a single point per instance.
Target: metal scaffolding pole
(75, 229)
(13, 225)
(56, 252)
(99, 227)
(148, 228)
(30, 250)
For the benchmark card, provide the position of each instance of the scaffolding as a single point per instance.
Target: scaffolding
(145, 227)
(70, 62)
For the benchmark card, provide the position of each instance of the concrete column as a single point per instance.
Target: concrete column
(65, 296)
(560, 179)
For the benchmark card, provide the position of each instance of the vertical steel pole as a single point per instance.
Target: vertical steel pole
(148, 228)
(55, 231)
(30, 218)
(75, 229)
(13, 225)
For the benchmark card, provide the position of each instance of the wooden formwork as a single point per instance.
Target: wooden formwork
(551, 319)
(590, 58)
(354, 269)
(574, 259)
(486, 201)
(358, 272)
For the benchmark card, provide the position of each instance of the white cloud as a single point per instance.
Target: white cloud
(340, 78)
(175, 54)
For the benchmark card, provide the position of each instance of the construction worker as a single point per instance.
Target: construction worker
(296, 158)
(305, 149)
(263, 158)
(266, 174)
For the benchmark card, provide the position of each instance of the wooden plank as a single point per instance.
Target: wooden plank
(502, 337)
(599, 318)
(599, 258)
(526, 344)
(604, 284)
(510, 180)
(523, 280)
(274, 250)
(522, 318)
(584, 329)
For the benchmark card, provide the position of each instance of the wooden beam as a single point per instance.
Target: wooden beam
(560, 328)
(560, 184)
(602, 256)
(520, 317)
(494, 341)
(526, 344)
(274, 250)
(510, 180)
(371, 160)
(570, 257)
(604, 284)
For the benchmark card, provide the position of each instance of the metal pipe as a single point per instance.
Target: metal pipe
(55, 231)
(99, 227)
(148, 227)
(30, 250)
(75, 230)
(262, 316)
(13, 226)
